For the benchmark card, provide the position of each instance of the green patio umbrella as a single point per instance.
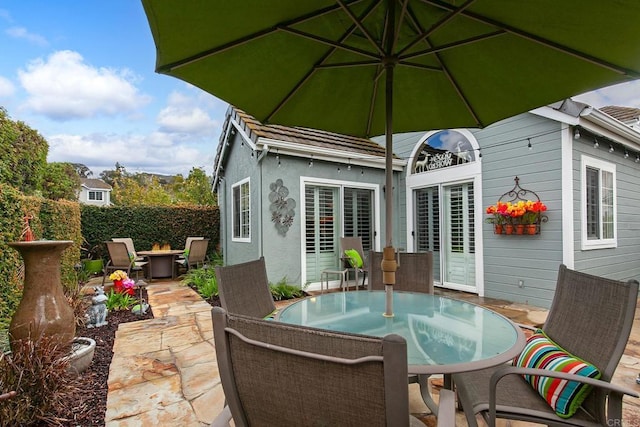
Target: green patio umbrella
(373, 67)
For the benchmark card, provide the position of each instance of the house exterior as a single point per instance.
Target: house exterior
(581, 162)
(94, 192)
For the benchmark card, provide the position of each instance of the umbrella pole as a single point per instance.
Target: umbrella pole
(388, 264)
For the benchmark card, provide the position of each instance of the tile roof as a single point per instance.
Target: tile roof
(623, 114)
(306, 136)
(94, 183)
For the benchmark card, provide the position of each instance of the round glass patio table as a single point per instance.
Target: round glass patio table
(443, 335)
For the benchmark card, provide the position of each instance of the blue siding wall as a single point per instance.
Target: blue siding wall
(532, 259)
(622, 262)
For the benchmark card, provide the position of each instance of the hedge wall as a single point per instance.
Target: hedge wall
(147, 225)
(52, 220)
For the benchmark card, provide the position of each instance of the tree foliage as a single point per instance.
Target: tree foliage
(60, 181)
(23, 155)
(148, 189)
(196, 189)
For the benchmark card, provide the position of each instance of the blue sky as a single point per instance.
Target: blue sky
(82, 74)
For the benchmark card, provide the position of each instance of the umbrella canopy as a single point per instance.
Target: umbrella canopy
(372, 67)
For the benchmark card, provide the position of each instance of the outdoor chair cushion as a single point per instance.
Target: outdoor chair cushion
(564, 397)
(354, 258)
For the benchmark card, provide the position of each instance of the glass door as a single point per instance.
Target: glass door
(459, 241)
(321, 230)
(444, 225)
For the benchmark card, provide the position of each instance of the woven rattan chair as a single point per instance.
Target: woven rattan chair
(414, 274)
(354, 243)
(197, 255)
(591, 318)
(244, 289)
(119, 259)
(274, 374)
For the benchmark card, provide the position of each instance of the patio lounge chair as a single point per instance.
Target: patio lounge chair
(130, 247)
(119, 259)
(354, 244)
(278, 374)
(244, 289)
(591, 318)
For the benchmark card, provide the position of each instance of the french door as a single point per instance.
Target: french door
(444, 224)
(331, 212)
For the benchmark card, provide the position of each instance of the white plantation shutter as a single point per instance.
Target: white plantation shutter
(427, 227)
(358, 215)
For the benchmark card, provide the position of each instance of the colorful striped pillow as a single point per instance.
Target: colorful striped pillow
(564, 397)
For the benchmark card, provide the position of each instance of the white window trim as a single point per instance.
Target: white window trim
(98, 195)
(602, 165)
(308, 180)
(233, 212)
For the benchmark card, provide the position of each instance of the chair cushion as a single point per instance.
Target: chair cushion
(564, 397)
(354, 258)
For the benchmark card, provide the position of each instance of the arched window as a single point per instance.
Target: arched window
(443, 149)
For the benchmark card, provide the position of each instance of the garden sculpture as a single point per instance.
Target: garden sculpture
(98, 310)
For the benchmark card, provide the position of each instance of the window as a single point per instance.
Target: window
(95, 195)
(442, 150)
(358, 215)
(241, 212)
(598, 204)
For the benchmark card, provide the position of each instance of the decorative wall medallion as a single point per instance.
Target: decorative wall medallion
(281, 207)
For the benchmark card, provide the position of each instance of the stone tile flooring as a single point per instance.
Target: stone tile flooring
(164, 370)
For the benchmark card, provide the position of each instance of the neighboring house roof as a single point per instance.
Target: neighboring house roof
(627, 115)
(94, 184)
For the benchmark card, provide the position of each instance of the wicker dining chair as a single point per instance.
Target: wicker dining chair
(414, 273)
(278, 374)
(244, 289)
(590, 318)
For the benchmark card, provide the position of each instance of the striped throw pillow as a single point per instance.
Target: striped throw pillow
(564, 397)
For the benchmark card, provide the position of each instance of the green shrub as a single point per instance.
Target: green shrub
(203, 280)
(283, 291)
(120, 301)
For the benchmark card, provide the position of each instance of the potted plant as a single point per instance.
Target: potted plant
(522, 215)
(92, 262)
(498, 217)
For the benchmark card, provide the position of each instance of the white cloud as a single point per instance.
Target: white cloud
(622, 95)
(6, 87)
(158, 152)
(23, 33)
(64, 87)
(193, 120)
(184, 115)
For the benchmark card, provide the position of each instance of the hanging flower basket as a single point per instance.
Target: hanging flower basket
(518, 211)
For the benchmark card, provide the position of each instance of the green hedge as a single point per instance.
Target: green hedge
(147, 225)
(88, 226)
